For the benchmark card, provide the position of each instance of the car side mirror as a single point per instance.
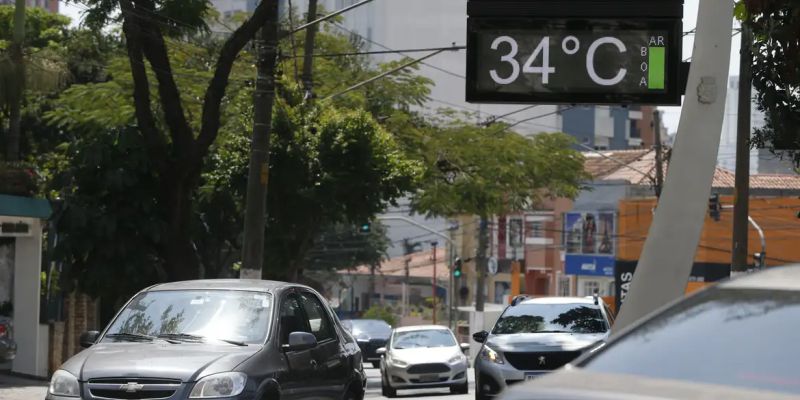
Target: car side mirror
(480, 337)
(465, 346)
(380, 351)
(89, 338)
(299, 341)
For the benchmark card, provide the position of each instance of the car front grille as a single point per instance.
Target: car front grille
(133, 388)
(540, 360)
(428, 369)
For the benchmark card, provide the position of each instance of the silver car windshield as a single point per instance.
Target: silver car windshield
(422, 338)
(544, 318)
(227, 315)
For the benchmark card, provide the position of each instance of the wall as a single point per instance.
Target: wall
(579, 123)
(777, 217)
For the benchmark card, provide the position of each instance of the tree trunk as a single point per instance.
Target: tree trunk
(177, 251)
(18, 60)
(481, 265)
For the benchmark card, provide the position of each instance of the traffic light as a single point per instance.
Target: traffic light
(457, 268)
(714, 207)
(365, 227)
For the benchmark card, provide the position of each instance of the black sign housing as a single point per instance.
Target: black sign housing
(574, 51)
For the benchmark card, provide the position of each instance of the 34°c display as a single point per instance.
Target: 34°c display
(573, 61)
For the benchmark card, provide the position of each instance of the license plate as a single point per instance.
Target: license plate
(531, 376)
(429, 378)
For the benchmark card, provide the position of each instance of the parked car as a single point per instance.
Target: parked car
(734, 340)
(537, 336)
(371, 334)
(420, 357)
(8, 348)
(232, 339)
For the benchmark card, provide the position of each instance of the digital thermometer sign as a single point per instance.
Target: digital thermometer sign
(573, 61)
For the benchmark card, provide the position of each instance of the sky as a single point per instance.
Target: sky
(671, 115)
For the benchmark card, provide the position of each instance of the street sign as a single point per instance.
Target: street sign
(492, 265)
(529, 55)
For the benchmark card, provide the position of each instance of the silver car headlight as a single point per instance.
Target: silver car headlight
(488, 354)
(226, 384)
(64, 384)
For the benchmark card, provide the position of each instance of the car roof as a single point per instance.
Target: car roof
(559, 300)
(781, 278)
(421, 328)
(254, 285)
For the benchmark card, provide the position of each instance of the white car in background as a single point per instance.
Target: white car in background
(419, 357)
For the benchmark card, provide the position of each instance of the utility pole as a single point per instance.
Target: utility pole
(480, 265)
(433, 287)
(741, 199)
(18, 62)
(659, 153)
(308, 55)
(258, 176)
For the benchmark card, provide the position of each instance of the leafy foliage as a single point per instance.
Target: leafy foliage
(341, 246)
(380, 312)
(776, 72)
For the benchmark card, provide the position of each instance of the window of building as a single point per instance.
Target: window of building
(564, 288)
(536, 229)
(590, 286)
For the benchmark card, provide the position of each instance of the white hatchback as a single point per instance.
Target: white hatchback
(419, 357)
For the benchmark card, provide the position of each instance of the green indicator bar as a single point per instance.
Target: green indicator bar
(657, 64)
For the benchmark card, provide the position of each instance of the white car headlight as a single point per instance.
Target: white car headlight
(226, 384)
(64, 384)
(398, 363)
(457, 359)
(490, 355)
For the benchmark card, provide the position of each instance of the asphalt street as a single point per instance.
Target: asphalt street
(14, 388)
(374, 388)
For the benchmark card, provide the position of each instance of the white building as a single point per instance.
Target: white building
(761, 160)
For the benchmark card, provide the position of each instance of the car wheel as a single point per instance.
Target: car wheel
(376, 364)
(386, 390)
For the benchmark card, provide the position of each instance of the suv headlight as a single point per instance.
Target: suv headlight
(490, 355)
(226, 384)
(64, 384)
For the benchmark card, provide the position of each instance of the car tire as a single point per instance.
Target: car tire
(376, 364)
(460, 389)
(386, 390)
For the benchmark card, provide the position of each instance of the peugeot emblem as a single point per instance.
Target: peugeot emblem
(542, 361)
(131, 387)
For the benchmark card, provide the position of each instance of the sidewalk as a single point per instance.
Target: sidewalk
(16, 388)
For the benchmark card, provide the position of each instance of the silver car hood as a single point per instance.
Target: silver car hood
(424, 355)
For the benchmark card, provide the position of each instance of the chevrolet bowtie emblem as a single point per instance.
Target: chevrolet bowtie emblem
(542, 361)
(131, 387)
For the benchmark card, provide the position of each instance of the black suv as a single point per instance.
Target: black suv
(229, 339)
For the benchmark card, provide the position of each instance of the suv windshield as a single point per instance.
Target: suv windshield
(369, 327)
(541, 318)
(727, 337)
(195, 315)
(422, 338)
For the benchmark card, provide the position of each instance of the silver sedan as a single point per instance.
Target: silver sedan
(419, 357)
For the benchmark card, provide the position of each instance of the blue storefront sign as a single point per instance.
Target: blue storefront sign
(589, 241)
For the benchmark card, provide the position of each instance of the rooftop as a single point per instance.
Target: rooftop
(420, 264)
(637, 167)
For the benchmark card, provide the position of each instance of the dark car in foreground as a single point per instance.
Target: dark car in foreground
(8, 347)
(735, 340)
(222, 339)
(536, 336)
(371, 335)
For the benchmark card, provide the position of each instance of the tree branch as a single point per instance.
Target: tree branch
(156, 52)
(216, 88)
(141, 88)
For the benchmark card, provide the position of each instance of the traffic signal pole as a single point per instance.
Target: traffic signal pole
(668, 255)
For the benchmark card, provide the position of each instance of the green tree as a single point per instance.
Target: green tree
(776, 71)
(493, 171)
(36, 32)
